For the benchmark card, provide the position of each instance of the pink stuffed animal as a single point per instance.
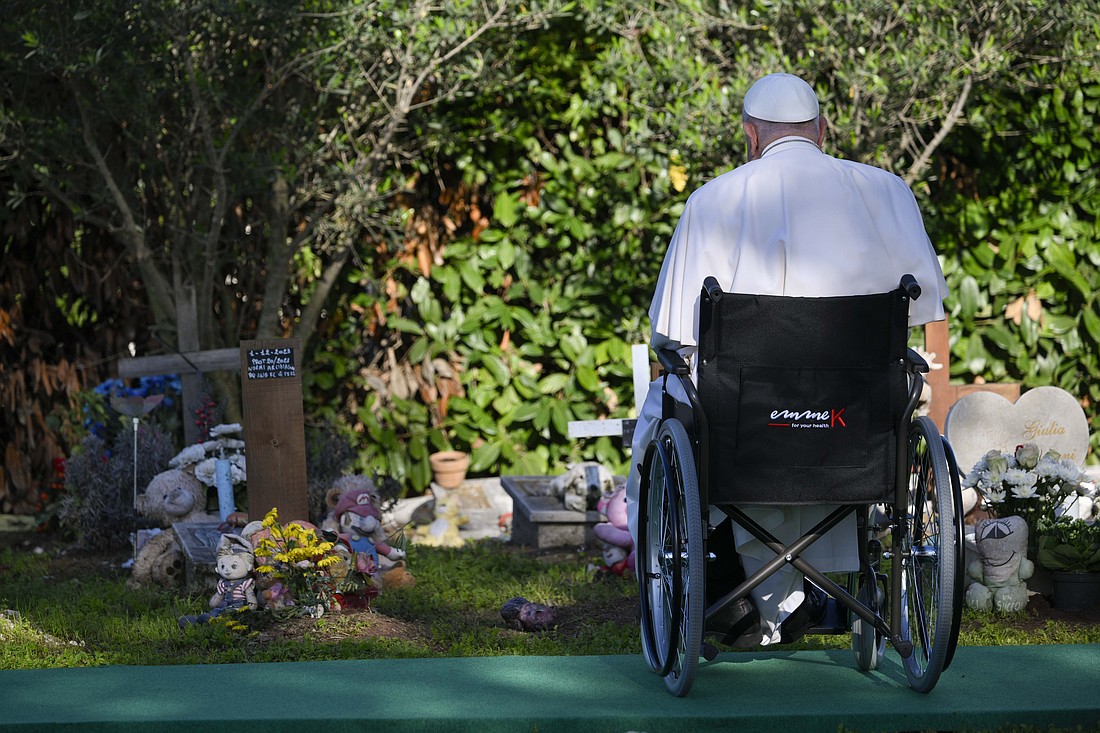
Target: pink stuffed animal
(618, 550)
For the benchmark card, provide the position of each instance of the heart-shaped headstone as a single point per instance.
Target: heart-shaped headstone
(1049, 417)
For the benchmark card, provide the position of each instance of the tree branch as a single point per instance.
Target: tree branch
(157, 288)
(949, 122)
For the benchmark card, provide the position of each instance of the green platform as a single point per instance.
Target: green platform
(985, 687)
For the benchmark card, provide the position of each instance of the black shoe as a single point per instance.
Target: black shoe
(738, 625)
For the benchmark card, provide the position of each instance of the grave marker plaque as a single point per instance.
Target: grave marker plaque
(274, 428)
(1049, 417)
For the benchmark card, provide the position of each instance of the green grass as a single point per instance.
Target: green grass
(80, 615)
(64, 616)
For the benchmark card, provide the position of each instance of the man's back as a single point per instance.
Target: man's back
(796, 222)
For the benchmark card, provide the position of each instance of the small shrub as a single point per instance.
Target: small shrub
(98, 507)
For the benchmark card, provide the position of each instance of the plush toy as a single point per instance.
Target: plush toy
(581, 487)
(444, 527)
(172, 496)
(236, 587)
(1003, 566)
(360, 523)
(618, 546)
(346, 485)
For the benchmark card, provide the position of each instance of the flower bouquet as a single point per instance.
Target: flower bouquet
(1026, 483)
(310, 573)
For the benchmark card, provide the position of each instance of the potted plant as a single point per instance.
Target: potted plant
(1070, 549)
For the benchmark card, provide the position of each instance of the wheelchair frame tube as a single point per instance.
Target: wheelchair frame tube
(784, 553)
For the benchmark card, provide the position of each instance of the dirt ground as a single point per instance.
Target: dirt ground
(67, 563)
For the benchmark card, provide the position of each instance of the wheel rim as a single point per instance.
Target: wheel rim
(661, 579)
(928, 559)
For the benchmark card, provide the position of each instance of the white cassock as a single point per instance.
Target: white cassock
(793, 222)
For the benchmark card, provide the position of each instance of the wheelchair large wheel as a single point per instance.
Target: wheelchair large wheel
(960, 555)
(928, 556)
(670, 559)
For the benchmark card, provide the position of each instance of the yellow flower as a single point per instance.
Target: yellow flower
(269, 520)
(677, 174)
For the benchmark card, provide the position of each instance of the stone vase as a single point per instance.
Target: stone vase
(449, 467)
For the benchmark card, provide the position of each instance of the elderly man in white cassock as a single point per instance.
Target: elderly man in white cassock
(792, 221)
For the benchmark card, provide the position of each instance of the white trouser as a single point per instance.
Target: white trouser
(782, 592)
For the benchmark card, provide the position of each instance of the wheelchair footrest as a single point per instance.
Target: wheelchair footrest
(833, 620)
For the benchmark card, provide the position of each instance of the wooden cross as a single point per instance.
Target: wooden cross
(274, 424)
(190, 366)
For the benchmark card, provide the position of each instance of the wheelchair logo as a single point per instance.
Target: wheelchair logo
(814, 419)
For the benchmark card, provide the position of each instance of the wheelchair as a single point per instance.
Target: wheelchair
(802, 401)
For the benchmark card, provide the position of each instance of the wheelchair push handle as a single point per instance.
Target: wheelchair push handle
(910, 285)
(712, 288)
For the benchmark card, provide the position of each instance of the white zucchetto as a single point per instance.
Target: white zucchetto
(781, 98)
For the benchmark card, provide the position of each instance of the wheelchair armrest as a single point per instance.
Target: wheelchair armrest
(672, 362)
(914, 362)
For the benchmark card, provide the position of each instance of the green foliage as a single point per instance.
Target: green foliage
(1020, 225)
(532, 307)
(558, 188)
(473, 205)
(1070, 545)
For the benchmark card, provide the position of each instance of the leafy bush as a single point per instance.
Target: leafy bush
(1020, 224)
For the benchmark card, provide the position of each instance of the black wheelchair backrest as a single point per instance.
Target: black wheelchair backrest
(803, 396)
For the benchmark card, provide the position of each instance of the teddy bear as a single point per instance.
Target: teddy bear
(172, 496)
(236, 586)
(1003, 566)
(614, 534)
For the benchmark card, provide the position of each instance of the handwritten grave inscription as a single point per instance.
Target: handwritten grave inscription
(275, 363)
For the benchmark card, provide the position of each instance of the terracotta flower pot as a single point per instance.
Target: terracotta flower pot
(449, 467)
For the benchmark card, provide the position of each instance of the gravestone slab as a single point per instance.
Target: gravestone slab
(1049, 417)
(543, 521)
(199, 542)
